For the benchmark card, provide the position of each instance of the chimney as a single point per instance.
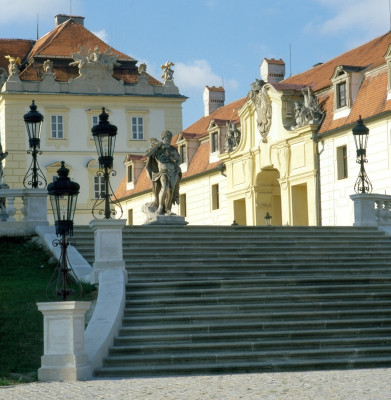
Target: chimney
(272, 70)
(214, 98)
(61, 18)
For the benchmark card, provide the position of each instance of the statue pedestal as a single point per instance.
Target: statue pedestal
(64, 357)
(158, 219)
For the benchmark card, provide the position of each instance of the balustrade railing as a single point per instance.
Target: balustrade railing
(21, 217)
(372, 209)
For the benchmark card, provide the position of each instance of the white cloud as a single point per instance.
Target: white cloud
(197, 75)
(22, 11)
(102, 34)
(370, 17)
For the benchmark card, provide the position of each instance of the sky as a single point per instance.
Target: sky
(212, 42)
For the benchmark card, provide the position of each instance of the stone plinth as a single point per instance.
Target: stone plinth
(149, 210)
(64, 356)
(108, 245)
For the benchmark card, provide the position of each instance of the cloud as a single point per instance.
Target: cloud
(102, 34)
(20, 11)
(369, 17)
(198, 74)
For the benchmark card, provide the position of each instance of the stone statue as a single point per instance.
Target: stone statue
(3, 155)
(96, 57)
(168, 73)
(232, 137)
(13, 65)
(164, 172)
(309, 112)
(142, 69)
(260, 98)
(48, 67)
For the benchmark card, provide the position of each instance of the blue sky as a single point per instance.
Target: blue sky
(212, 42)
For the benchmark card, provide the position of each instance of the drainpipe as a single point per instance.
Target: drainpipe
(318, 202)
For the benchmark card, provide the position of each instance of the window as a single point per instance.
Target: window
(94, 120)
(215, 197)
(182, 205)
(342, 163)
(182, 152)
(129, 173)
(57, 127)
(130, 216)
(99, 187)
(341, 95)
(215, 142)
(137, 128)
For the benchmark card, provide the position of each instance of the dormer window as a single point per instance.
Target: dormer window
(346, 80)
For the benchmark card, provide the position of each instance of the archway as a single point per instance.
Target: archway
(268, 196)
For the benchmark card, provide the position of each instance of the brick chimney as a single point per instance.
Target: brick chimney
(214, 98)
(272, 70)
(61, 18)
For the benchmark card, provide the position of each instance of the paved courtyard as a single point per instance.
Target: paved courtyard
(365, 384)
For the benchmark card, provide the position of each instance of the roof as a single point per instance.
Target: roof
(58, 45)
(370, 54)
(274, 61)
(216, 89)
(14, 48)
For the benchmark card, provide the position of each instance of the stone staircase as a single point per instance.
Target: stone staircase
(204, 300)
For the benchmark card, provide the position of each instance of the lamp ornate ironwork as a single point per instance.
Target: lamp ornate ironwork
(104, 134)
(34, 177)
(360, 134)
(63, 197)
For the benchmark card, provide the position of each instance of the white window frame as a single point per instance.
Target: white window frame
(137, 127)
(99, 186)
(57, 127)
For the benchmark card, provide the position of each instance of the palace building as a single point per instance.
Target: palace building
(286, 149)
(71, 74)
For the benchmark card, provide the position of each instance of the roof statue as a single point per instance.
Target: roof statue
(142, 69)
(13, 65)
(96, 57)
(309, 112)
(168, 73)
(48, 67)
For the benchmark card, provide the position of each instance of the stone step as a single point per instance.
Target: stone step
(274, 327)
(161, 338)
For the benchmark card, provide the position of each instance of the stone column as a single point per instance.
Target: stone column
(35, 209)
(108, 246)
(64, 356)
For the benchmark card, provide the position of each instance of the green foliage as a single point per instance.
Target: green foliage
(25, 273)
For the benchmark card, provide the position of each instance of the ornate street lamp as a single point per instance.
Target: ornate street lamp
(104, 134)
(268, 219)
(34, 176)
(360, 134)
(63, 197)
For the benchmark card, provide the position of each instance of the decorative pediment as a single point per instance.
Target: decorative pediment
(95, 72)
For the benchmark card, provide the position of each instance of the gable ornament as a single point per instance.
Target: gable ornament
(308, 112)
(258, 95)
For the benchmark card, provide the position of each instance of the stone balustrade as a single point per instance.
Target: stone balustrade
(372, 209)
(20, 218)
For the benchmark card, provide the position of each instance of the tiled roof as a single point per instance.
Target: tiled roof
(370, 55)
(58, 45)
(14, 48)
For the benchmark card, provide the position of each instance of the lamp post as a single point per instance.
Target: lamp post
(104, 134)
(63, 197)
(33, 120)
(268, 219)
(360, 134)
